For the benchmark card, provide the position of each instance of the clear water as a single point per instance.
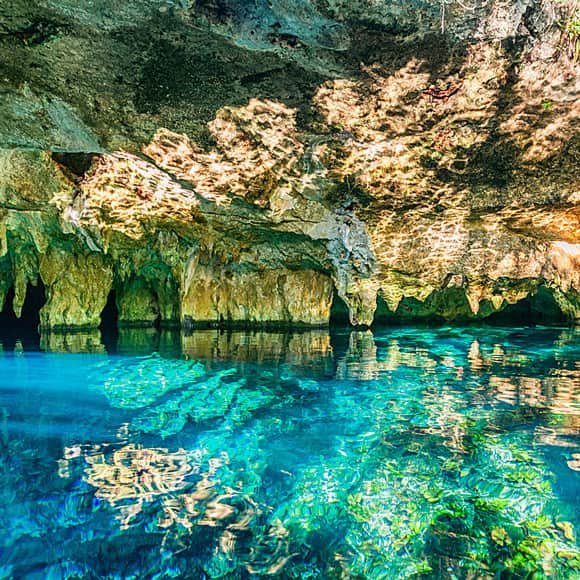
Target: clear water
(446, 453)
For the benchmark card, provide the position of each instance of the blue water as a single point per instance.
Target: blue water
(413, 452)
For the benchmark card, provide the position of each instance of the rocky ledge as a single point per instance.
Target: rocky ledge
(280, 162)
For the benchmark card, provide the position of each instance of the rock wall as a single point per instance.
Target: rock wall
(77, 289)
(268, 297)
(224, 162)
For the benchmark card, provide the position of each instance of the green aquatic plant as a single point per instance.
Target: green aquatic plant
(500, 537)
(484, 510)
(433, 494)
(491, 504)
(567, 530)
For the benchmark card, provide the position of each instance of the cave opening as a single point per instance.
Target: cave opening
(411, 311)
(76, 163)
(23, 329)
(539, 308)
(156, 323)
(383, 314)
(110, 313)
(339, 313)
(109, 326)
(30, 316)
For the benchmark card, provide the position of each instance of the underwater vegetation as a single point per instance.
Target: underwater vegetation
(447, 453)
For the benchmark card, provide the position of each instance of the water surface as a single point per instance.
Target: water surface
(443, 453)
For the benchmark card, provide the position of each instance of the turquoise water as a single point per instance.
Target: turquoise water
(437, 453)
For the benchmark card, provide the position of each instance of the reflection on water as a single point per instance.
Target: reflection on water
(86, 341)
(444, 453)
(130, 476)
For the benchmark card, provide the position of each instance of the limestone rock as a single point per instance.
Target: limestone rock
(77, 289)
(268, 297)
(137, 304)
(231, 162)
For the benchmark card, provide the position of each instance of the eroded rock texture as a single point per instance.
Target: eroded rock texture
(221, 161)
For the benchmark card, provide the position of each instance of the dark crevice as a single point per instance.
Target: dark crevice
(109, 326)
(30, 317)
(23, 330)
(541, 308)
(157, 322)
(451, 307)
(38, 32)
(77, 164)
(339, 313)
(383, 315)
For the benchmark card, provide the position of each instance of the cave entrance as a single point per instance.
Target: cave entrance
(339, 314)
(30, 316)
(109, 326)
(110, 313)
(541, 308)
(76, 163)
(383, 314)
(23, 330)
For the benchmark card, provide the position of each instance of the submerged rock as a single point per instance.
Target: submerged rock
(225, 162)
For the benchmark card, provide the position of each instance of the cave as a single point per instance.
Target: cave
(23, 330)
(361, 218)
(76, 163)
(383, 314)
(539, 308)
(30, 316)
(110, 314)
(339, 313)
(409, 311)
(137, 304)
(109, 326)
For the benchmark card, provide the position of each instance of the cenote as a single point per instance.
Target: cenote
(403, 452)
(289, 289)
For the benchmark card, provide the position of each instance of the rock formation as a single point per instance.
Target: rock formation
(219, 161)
